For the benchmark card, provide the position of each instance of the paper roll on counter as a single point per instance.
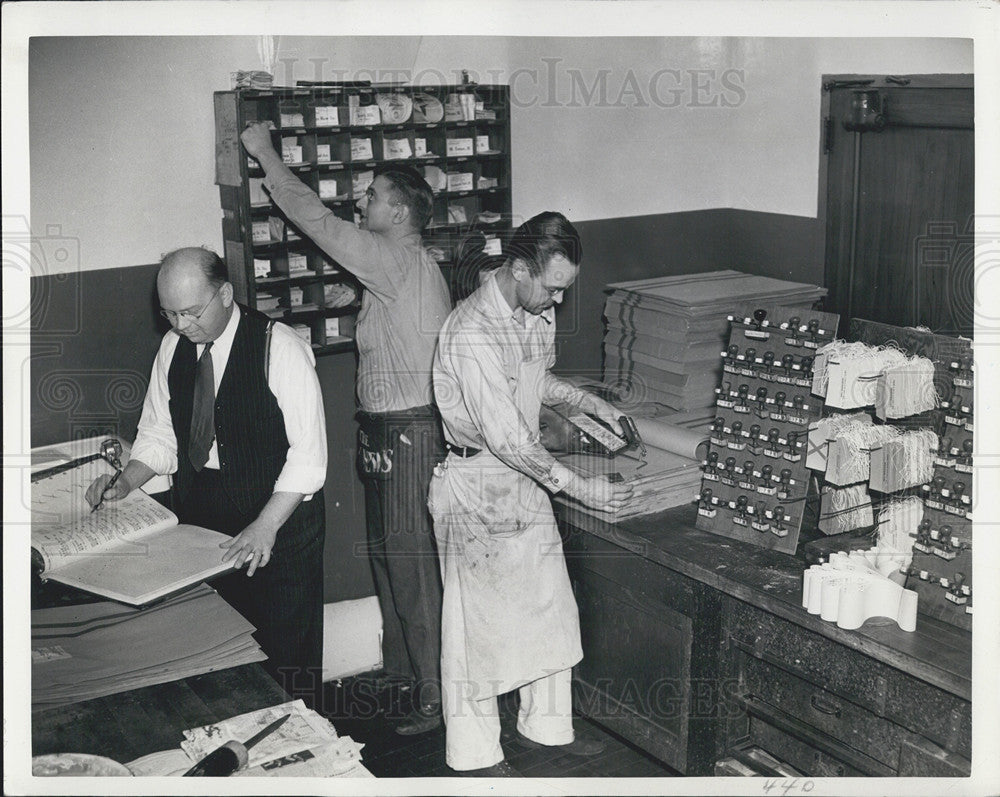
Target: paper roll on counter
(675, 439)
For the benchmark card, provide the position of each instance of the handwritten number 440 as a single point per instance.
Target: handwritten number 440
(783, 787)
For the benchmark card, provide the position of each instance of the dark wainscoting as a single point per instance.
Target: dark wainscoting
(638, 247)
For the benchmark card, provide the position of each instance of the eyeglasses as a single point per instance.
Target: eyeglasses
(173, 316)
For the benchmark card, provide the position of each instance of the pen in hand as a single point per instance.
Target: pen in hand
(108, 486)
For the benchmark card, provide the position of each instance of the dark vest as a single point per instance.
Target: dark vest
(249, 425)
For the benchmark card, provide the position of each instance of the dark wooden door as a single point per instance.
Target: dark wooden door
(899, 168)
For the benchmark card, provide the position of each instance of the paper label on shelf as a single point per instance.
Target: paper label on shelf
(332, 327)
(291, 154)
(257, 194)
(261, 232)
(459, 181)
(482, 143)
(322, 153)
(295, 297)
(328, 189)
(456, 147)
(261, 268)
(366, 115)
(292, 120)
(420, 147)
(360, 182)
(493, 246)
(361, 149)
(396, 148)
(327, 116)
(297, 262)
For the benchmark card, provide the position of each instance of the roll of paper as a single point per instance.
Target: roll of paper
(675, 439)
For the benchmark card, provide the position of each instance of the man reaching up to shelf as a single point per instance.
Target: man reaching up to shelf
(405, 302)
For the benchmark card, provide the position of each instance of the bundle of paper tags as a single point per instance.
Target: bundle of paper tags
(306, 745)
(665, 334)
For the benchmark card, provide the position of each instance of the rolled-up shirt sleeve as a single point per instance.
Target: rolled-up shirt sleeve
(295, 385)
(155, 443)
(473, 362)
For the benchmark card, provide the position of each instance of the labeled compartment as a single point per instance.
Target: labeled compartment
(327, 148)
(328, 110)
(334, 185)
(492, 176)
(491, 139)
(429, 143)
(397, 145)
(291, 113)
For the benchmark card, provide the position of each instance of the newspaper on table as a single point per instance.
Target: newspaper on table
(304, 730)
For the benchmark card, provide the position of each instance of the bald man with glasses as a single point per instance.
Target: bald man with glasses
(234, 412)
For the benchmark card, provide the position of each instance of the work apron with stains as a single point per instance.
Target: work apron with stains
(508, 616)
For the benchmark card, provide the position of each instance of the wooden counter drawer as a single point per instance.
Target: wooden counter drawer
(889, 693)
(831, 715)
(800, 754)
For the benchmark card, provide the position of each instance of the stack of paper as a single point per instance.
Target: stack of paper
(660, 479)
(96, 649)
(665, 334)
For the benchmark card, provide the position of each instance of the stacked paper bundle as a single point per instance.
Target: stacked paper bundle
(96, 649)
(664, 334)
(668, 475)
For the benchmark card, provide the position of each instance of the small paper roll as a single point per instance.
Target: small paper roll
(675, 439)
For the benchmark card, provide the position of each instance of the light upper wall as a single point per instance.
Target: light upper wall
(122, 133)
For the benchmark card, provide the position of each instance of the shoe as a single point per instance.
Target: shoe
(420, 720)
(581, 745)
(500, 770)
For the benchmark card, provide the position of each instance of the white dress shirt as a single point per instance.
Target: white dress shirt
(292, 379)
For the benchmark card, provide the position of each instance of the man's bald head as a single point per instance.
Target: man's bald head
(195, 293)
(193, 263)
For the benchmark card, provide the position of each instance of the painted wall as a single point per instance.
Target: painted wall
(122, 136)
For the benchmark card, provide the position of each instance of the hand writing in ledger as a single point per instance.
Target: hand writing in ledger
(251, 547)
(117, 491)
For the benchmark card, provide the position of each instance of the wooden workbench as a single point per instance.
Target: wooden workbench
(694, 644)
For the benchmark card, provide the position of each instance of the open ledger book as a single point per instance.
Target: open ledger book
(132, 550)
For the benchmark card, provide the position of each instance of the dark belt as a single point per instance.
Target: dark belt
(459, 451)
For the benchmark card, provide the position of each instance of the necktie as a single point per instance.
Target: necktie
(203, 411)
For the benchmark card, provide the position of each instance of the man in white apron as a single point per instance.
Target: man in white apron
(509, 619)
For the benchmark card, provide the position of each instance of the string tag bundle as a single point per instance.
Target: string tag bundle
(823, 431)
(905, 461)
(849, 458)
(897, 526)
(847, 374)
(845, 508)
(905, 389)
